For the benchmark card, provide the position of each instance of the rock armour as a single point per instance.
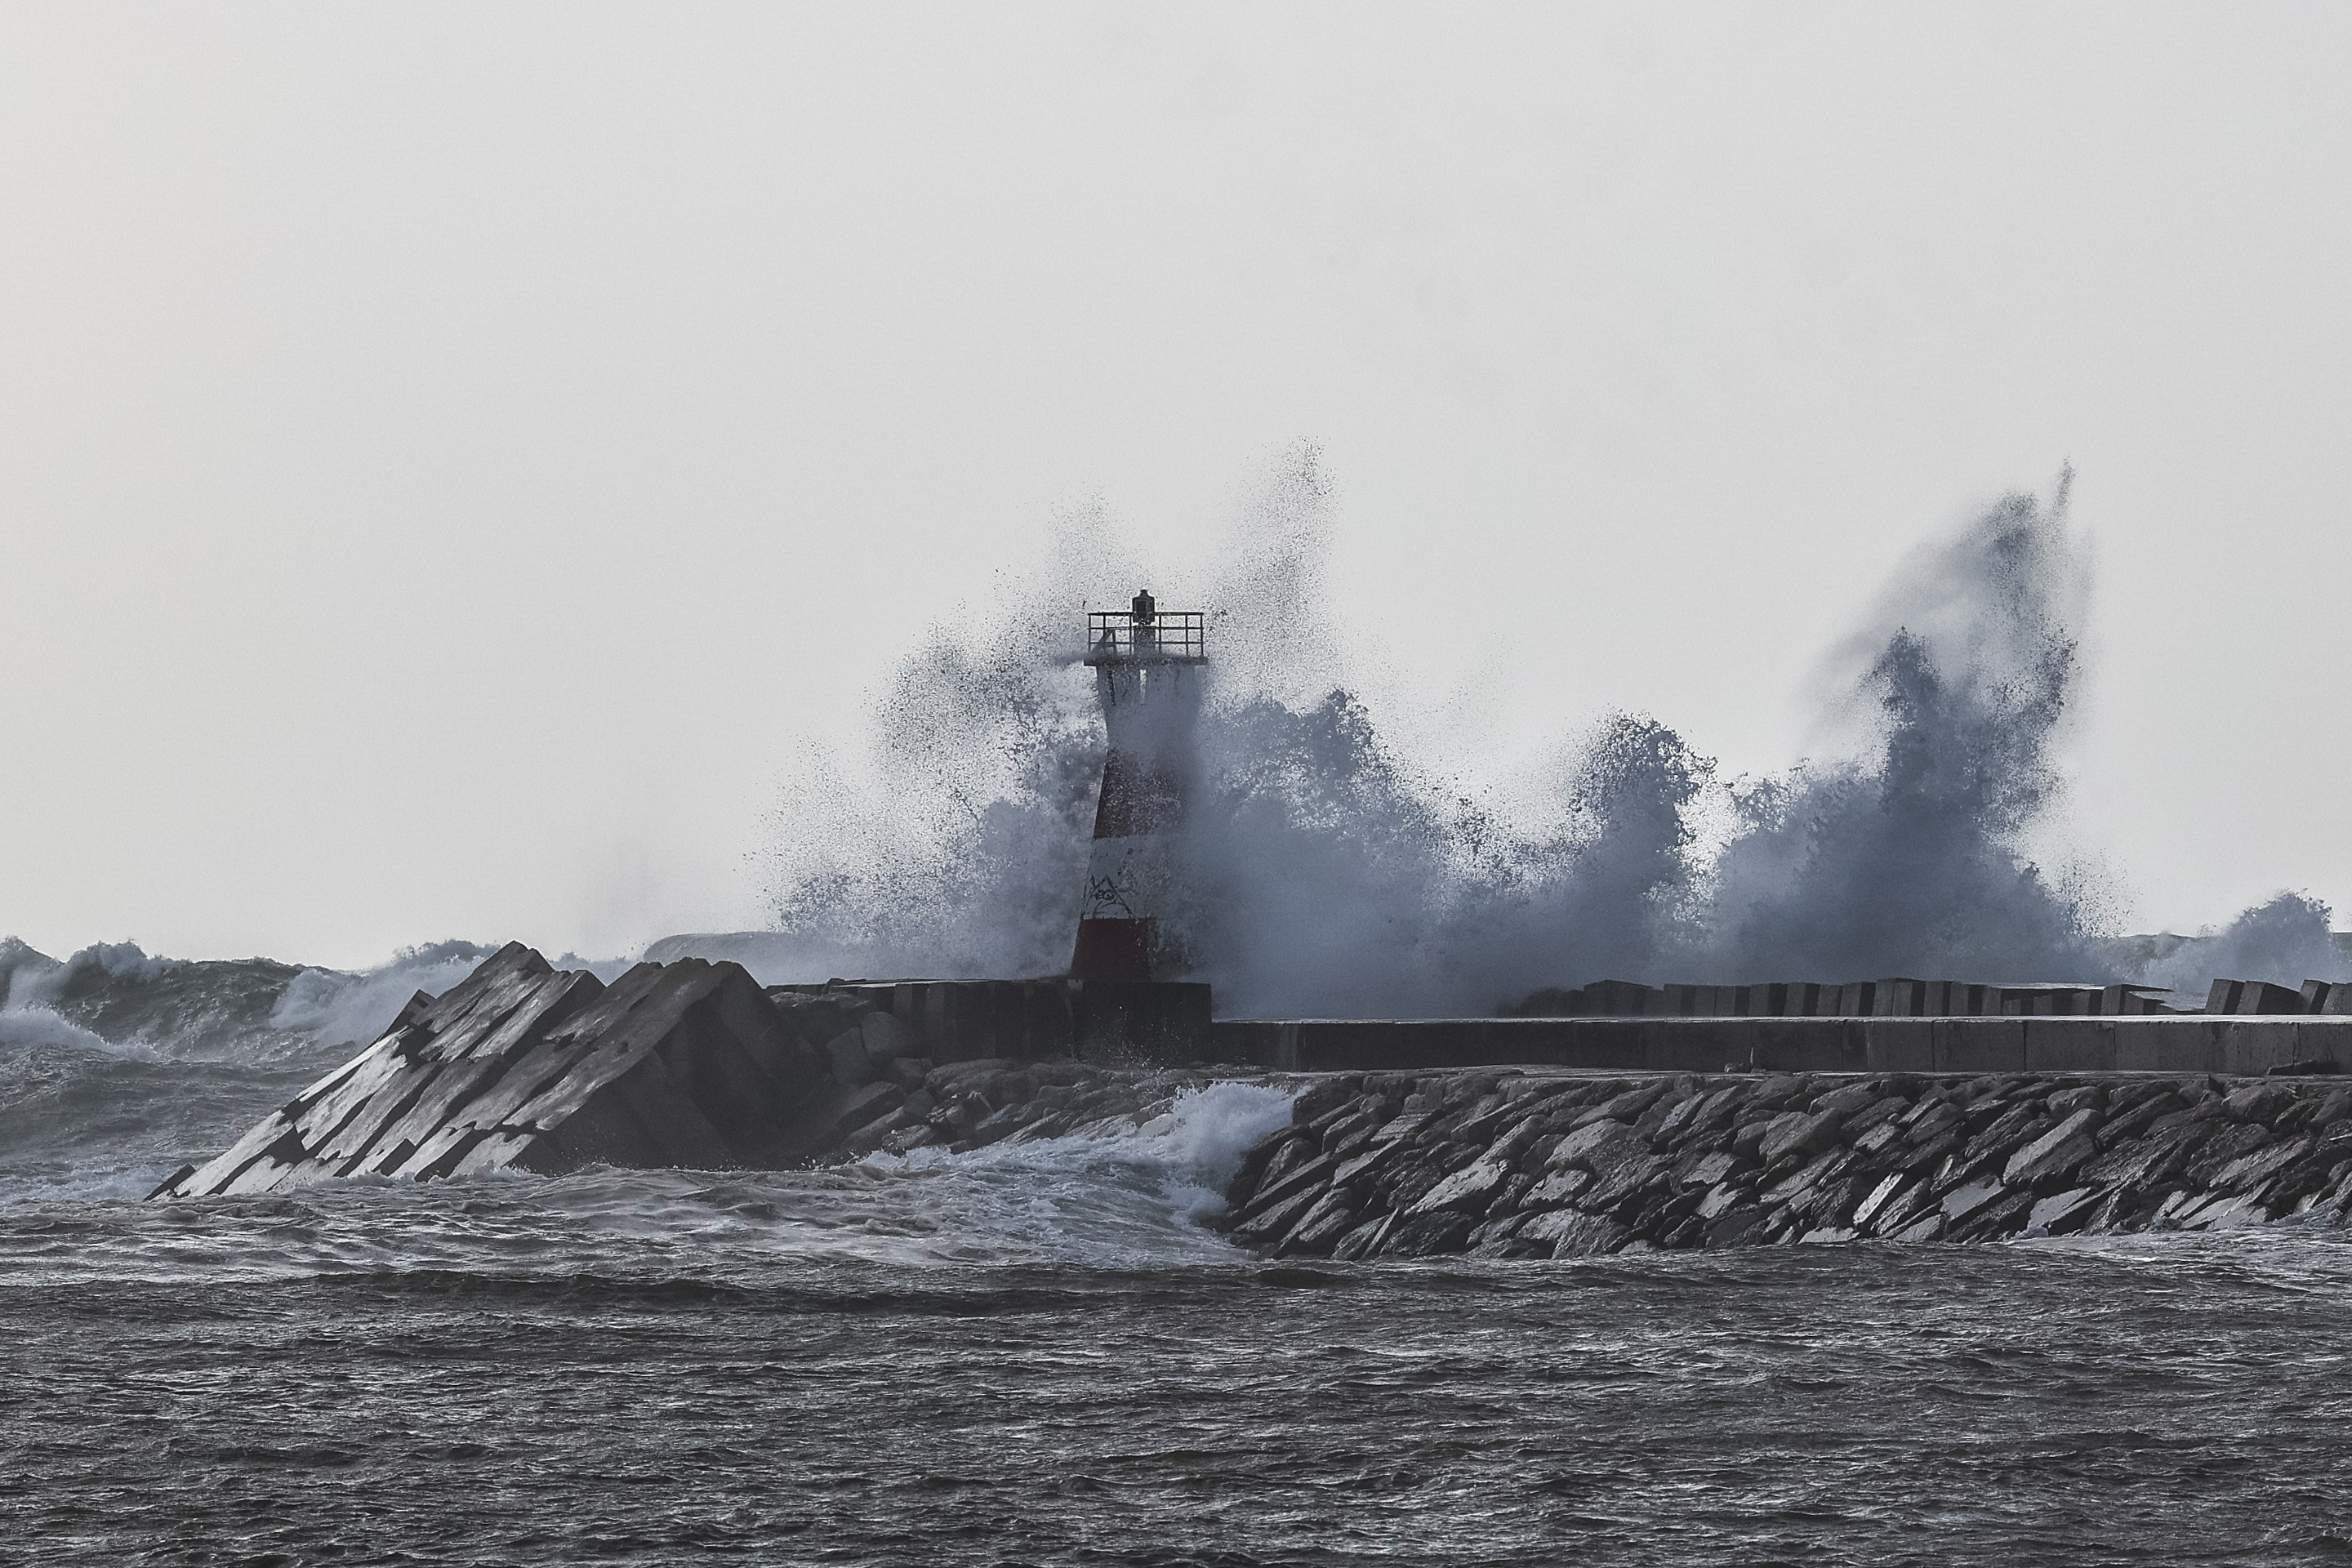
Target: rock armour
(1530, 1165)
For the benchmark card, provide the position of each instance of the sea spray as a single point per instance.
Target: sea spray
(2284, 939)
(1906, 859)
(1324, 870)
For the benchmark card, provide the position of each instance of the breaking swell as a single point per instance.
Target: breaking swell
(117, 1065)
(1125, 1198)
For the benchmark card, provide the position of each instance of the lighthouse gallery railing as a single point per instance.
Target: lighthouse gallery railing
(1169, 636)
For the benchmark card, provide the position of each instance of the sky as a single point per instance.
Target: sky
(451, 456)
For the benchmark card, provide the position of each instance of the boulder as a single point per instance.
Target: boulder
(2259, 1101)
(2000, 1217)
(1633, 1176)
(1426, 1235)
(1312, 1176)
(1275, 1219)
(1820, 1169)
(2224, 1148)
(1498, 1238)
(1887, 1134)
(2056, 1154)
(1736, 1226)
(1854, 1097)
(1929, 1120)
(1900, 1209)
(2249, 1172)
(1468, 1190)
(2222, 1211)
(1629, 1106)
(1877, 1198)
(1599, 1147)
(2065, 1102)
(1694, 1111)
(1573, 1235)
(889, 1131)
(2060, 1211)
(1798, 1134)
(860, 1109)
(1878, 1116)
(1364, 1240)
(1318, 1231)
(2011, 1130)
(1554, 1189)
(2130, 1121)
(1705, 1169)
(1964, 1203)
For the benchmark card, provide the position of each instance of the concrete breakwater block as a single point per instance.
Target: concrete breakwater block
(1895, 997)
(689, 1064)
(2181, 1043)
(1521, 1165)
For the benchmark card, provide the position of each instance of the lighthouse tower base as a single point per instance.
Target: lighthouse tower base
(1114, 950)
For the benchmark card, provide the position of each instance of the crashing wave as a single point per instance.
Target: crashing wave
(1328, 871)
(118, 998)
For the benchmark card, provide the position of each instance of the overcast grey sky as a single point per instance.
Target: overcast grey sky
(450, 455)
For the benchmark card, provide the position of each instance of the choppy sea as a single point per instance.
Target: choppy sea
(1040, 1354)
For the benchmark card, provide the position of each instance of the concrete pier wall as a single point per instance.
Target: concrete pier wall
(1110, 1021)
(2228, 1045)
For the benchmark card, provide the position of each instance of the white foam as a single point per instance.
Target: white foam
(335, 1007)
(39, 1029)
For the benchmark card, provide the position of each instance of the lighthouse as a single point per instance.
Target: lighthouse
(1149, 666)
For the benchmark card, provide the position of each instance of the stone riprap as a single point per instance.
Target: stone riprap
(1539, 1165)
(689, 1064)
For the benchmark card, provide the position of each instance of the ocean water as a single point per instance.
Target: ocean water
(1041, 1354)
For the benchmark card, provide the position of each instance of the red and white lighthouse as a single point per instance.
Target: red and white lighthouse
(1148, 671)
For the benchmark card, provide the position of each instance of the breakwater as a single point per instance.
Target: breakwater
(692, 1065)
(1521, 1165)
(1123, 1022)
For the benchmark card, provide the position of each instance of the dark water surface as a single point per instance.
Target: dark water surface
(1036, 1353)
(514, 1374)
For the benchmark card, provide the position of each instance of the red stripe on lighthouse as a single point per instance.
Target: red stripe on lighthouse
(1136, 797)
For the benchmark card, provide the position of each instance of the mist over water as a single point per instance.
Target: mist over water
(1325, 870)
